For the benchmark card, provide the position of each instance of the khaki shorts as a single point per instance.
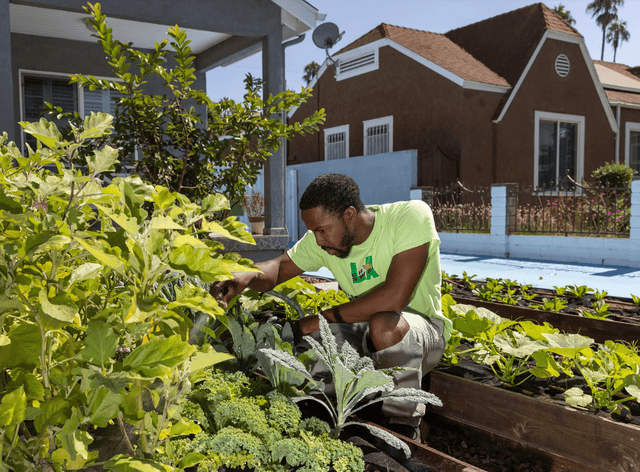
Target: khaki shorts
(420, 350)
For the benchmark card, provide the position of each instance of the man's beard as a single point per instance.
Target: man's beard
(346, 240)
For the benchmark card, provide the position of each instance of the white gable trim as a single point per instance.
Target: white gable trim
(376, 45)
(299, 10)
(569, 38)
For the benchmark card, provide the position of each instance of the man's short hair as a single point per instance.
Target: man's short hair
(333, 192)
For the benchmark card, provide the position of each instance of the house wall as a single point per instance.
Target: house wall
(477, 136)
(544, 90)
(62, 56)
(429, 111)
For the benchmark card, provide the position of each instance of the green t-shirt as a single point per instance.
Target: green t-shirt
(398, 227)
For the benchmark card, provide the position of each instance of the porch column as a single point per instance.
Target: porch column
(275, 167)
(7, 110)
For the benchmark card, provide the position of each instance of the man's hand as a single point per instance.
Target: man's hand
(225, 290)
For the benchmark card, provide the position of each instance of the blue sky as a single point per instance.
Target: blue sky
(356, 17)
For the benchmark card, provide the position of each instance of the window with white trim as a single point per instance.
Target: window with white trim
(559, 149)
(632, 145)
(38, 88)
(378, 135)
(336, 142)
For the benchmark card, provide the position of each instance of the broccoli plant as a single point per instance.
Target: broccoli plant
(246, 426)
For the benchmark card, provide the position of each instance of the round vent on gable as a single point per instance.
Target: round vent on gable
(562, 65)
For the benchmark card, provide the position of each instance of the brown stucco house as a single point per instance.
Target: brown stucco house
(514, 98)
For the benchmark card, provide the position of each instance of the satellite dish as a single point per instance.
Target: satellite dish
(326, 35)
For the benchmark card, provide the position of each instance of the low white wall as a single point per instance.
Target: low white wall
(606, 251)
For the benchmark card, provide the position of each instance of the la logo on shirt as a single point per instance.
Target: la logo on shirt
(366, 272)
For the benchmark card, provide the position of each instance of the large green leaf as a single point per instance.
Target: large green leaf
(190, 240)
(86, 271)
(575, 396)
(24, 349)
(520, 346)
(109, 260)
(102, 160)
(157, 357)
(197, 262)
(203, 360)
(100, 343)
(122, 463)
(197, 299)
(13, 407)
(106, 405)
(74, 440)
(213, 203)
(568, 345)
(229, 228)
(130, 225)
(164, 222)
(163, 198)
(60, 308)
(9, 204)
(96, 125)
(480, 311)
(43, 130)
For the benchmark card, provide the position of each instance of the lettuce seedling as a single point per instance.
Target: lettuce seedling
(356, 382)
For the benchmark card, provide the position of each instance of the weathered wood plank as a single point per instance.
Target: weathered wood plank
(599, 330)
(598, 443)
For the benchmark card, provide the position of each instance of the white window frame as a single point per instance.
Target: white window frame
(549, 116)
(22, 73)
(628, 128)
(385, 120)
(335, 130)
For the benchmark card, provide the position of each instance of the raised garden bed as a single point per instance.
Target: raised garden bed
(620, 318)
(562, 436)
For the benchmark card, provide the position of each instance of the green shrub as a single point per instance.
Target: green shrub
(85, 330)
(614, 175)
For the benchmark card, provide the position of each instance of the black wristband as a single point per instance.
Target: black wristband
(337, 316)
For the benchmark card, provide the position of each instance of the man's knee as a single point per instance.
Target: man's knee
(387, 328)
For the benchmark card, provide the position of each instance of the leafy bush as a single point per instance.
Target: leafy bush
(179, 150)
(85, 330)
(248, 428)
(614, 175)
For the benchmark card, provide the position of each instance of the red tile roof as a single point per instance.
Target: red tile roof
(506, 42)
(623, 97)
(434, 47)
(630, 72)
(493, 51)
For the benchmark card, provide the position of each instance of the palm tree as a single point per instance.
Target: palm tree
(604, 11)
(310, 71)
(565, 14)
(617, 34)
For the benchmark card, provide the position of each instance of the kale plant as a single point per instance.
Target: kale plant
(356, 383)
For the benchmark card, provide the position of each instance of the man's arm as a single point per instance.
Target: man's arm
(274, 272)
(392, 295)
